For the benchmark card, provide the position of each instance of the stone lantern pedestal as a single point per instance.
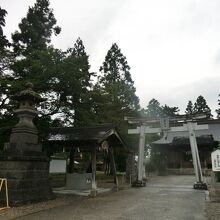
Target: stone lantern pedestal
(22, 162)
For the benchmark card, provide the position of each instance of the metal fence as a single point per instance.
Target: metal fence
(3, 182)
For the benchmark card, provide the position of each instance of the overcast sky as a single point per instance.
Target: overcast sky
(172, 46)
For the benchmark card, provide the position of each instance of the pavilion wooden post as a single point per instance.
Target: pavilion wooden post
(93, 157)
(72, 155)
(113, 166)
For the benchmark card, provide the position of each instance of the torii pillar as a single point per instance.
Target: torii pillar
(142, 130)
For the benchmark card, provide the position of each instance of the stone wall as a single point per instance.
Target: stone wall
(28, 179)
(79, 181)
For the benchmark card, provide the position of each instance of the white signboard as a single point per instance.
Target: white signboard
(216, 160)
(57, 166)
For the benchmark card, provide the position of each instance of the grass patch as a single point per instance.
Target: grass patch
(57, 179)
(101, 175)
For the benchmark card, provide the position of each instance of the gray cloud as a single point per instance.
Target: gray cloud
(179, 96)
(172, 46)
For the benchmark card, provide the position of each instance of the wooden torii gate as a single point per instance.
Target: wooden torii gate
(188, 125)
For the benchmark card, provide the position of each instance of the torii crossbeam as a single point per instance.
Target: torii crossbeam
(189, 126)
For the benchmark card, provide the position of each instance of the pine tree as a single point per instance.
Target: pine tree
(154, 109)
(218, 110)
(167, 111)
(201, 107)
(117, 86)
(189, 109)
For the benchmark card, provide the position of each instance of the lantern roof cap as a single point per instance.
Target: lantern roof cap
(28, 94)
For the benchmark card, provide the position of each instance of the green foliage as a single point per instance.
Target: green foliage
(6, 58)
(216, 176)
(120, 158)
(6, 124)
(61, 77)
(3, 40)
(78, 82)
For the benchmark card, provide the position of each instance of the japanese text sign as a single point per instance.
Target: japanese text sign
(216, 160)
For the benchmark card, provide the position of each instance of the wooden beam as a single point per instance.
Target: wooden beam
(72, 156)
(148, 130)
(113, 166)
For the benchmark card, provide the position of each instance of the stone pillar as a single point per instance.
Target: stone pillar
(131, 169)
(141, 154)
(22, 161)
(94, 187)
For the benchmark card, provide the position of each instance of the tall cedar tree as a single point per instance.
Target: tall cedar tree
(35, 29)
(117, 87)
(78, 82)
(114, 97)
(201, 107)
(36, 61)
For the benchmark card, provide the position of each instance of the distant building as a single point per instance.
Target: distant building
(172, 154)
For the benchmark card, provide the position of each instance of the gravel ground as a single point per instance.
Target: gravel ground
(168, 197)
(212, 210)
(61, 200)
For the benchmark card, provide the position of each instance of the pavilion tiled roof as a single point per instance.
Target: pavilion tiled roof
(82, 135)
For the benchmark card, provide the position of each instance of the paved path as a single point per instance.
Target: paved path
(169, 197)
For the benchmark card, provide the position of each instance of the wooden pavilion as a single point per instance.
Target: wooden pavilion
(90, 140)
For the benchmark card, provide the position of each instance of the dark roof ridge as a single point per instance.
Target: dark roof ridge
(106, 125)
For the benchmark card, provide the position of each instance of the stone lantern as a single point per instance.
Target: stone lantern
(25, 133)
(22, 161)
